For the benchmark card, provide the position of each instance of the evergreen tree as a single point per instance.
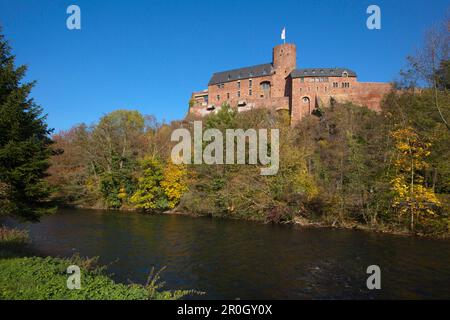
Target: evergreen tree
(24, 143)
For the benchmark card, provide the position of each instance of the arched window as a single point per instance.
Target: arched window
(345, 74)
(306, 104)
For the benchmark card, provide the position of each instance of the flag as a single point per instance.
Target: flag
(283, 34)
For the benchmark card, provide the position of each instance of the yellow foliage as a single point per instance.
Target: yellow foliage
(122, 193)
(174, 183)
(411, 196)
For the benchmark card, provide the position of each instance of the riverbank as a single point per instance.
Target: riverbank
(299, 221)
(27, 277)
(305, 223)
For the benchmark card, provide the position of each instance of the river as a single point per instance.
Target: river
(245, 260)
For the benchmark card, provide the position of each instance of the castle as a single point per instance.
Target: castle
(281, 86)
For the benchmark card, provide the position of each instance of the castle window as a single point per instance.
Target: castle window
(345, 74)
(250, 82)
(239, 84)
(220, 85)
(265, 88)
(335, 85)
(250, 92)
(265, 85)
(218, 97)
(239, 94)
(228, 95)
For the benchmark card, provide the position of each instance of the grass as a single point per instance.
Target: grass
(12, 241)
(38, 278)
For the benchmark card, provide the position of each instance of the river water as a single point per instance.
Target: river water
(237, 259)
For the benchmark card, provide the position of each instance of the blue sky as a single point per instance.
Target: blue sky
(150, 55)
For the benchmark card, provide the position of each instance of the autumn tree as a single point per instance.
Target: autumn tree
(149, 194)
(69, 172)
(345, 153)
(411, 196)
(174, 183)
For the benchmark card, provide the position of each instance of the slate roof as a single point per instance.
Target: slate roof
(266, 69)
(321, 72)
(242, 73)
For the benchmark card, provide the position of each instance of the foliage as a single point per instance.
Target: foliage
(34, 278)
(347, 159)
(174, 183)
(240, 191)
(411, 196)
(24, 144)
(149, 194)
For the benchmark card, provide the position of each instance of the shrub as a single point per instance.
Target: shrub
(12, 241)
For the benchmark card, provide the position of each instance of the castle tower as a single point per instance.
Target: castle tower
(284, 58)
(284, 61)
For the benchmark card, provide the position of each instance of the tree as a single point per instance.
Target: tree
(174, 183)
(345, 153)
(114, 146)
(411, 196)
(149, 194)
(25, 145)
(70, 166)
(431, 62)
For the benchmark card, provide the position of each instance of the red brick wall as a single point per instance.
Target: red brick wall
(231, 88)
(284, 58)
(320, 93)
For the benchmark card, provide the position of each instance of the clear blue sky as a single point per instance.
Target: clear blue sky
(150, 55)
